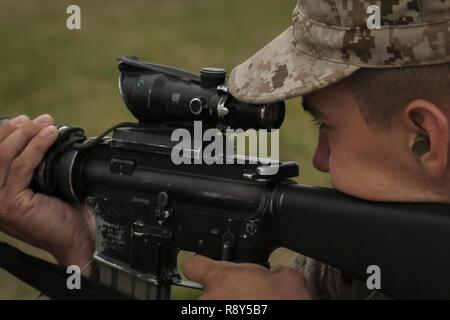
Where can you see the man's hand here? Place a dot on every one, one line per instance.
(231, 281)
(48, 223)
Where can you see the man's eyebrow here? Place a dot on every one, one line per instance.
(311, 109)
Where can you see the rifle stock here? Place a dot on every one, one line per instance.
(407, 241)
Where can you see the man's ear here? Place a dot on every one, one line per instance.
(425, 118)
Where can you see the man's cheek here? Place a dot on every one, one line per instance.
(349, 176)
(342, 169)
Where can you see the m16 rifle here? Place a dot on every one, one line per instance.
(148, 208)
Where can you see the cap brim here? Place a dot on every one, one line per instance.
(280, 71)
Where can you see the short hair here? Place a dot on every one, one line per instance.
(382, 93)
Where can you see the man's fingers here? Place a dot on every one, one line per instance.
(16, 142)
(22, 168)
(9, 127)
(197, 267)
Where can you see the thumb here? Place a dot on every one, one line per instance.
(197, 267)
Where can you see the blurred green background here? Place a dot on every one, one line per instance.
(72, 75)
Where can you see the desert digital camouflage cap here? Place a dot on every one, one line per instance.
(330, 39)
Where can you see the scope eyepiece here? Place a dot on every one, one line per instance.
(160, 94)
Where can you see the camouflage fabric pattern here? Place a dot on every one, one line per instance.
(329, 40)
(327, 283)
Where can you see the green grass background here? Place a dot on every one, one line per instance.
(72, 75)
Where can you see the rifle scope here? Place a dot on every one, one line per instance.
(155, 94)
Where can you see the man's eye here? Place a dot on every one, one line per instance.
(316, 122)
(319, 124)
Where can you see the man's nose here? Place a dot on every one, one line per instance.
(321, 159)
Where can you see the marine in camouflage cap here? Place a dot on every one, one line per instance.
(330, 39)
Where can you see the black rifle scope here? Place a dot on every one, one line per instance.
(156, 93)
